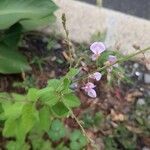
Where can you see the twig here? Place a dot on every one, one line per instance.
(67, 38)
(118, 61)
(81, 127)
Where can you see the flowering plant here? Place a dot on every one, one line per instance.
(32, 120)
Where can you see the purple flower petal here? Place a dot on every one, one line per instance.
(92, 93)
(112, 59)
(97, 76)
(88, 86)
(97, 48)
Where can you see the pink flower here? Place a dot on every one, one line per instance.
(88, 88)
(97, 48)
(96, 76)
(112, 60)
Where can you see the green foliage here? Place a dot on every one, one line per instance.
(29, 82)
(78, 141)
(30, 116)
(125, 137)
(38, 61)
(140, 116)
(60, 110)
(17, 146)
(57, 130)
(39, 143)
(93, 120)
(121, 136)
(34, 12)
(11, 36)
(59, 96)
(71, 100)
(18, 17)
(11, 61)
(110, 143)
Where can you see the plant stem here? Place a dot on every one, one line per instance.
(81, 127)
(118, 61)
(124, 59)
(67, 38)
(99, 3)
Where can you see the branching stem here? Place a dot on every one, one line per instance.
(118, 61)
(83, 131)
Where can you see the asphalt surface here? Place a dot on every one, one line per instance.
(140, 8)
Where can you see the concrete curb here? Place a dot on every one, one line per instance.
(83, 20)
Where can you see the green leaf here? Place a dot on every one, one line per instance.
(12, 11)
(66, 83)
(74, 145)
(48, 96)
(11, 145)
(32, 94)
(12, 111)
(11, 61)
(39, 143)
(57, 130)
(78, 141)
(10, 128)
(72, 73)
(44, 119)
(31, 24)
(15, 145)
(60, 109)
(54, 83)
(28, 119)
(71, 100)
(11, 37)
(16, 97)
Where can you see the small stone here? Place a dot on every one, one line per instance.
(137, 73)
(135, 65)
(141, 89)
(45, 39)
(147, 78)
(57, 46)
(145, 148)
(149, 93)
(141, 101)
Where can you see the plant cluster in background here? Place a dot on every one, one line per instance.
(19, 17)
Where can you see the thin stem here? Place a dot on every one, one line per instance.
(83, 131)
(67, 38)
(78, 62)
(99, 2)
(118, 61)
(124, 59)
